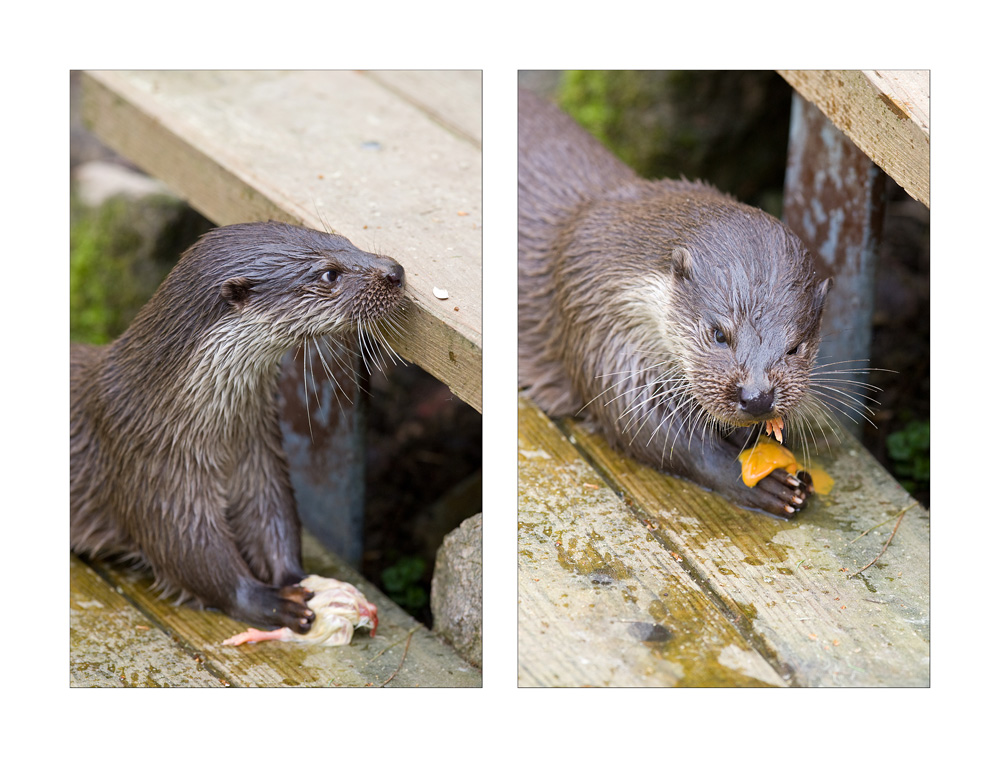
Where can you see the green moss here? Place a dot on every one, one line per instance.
(403, 581)
(119, 253)
(910, 451)
(727, 127)
(100, 301)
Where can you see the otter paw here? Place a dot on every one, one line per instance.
(296, 593)
(292, 610)
(782, 494)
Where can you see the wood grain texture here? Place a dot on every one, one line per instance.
(602, 602)
(113, 644)
(785, 587)
(337, 150)
(885, 113)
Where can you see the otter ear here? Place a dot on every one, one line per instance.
(682, 262)
(821, 292)
(236, 291)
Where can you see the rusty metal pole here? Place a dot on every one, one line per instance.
(323, 429)
(835, 201)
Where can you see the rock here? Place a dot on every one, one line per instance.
(98, 181)
(457, 590)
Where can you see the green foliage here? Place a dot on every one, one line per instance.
(100, 306)
(605, 102)
(119, 254)
(403, 583)
(910, 450)
(729, 128)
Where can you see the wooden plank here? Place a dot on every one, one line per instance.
(602, 601)
(786, 586)
(112, 644)
(329, 149)
(445, 95)
(885, 113)
(196, 636)
(792, 580)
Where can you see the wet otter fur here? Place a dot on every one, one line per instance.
(175, 449)
(678, 318)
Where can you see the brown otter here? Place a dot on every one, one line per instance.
(175, 450)
(678, 317)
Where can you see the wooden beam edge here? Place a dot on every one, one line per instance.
(893, 132)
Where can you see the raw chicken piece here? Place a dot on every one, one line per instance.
(774, 427)
(339, 609)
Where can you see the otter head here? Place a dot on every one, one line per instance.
(300, 283)
(751, 303)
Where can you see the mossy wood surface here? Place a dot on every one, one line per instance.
(391, 160)
(122, 635)
(628, 577)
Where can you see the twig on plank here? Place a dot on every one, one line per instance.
(885, 546)
(405, 650)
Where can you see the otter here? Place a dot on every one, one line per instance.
(175, 450)
(679, 320)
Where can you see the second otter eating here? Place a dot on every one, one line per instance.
(175, 450)
(678, 317)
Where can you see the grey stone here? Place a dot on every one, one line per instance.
(457, 590)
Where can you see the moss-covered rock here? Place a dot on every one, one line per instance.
(120, 251)
(727, 127)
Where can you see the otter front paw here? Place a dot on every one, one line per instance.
(780, 493)
(292, 610)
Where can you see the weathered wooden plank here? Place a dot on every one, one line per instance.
(112, 644)
(332, 149)
(792, 581)
(885, 113)
(601, 600)
(197, 636)
(446, 95)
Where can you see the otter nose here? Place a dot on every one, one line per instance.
(395, 275)
(756, 403)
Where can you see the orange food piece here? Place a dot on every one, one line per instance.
(766, 456)
(763, 458)
(822, 481)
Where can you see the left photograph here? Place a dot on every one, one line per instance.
(276, 379)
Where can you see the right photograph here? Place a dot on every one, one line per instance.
(724, 378)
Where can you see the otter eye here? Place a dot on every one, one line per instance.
(795, 349)
(719, 336)
(330, 276)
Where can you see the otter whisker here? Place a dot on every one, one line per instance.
(393, 328)
(856, 370)
(328, 370)
(849, 407)
(866, 391)
(306, 373)
(854, 399)
(369, 356)
(850, 396)
(309, 371)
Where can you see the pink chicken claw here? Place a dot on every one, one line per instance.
(339, 607)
